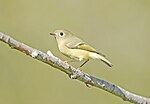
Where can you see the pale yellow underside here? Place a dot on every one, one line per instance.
(77, 54)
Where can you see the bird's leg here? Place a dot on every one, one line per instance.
(84, 63)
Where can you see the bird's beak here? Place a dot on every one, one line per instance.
(54, 34)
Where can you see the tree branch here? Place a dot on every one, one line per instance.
(74, 73)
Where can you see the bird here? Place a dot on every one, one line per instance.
(76, 49)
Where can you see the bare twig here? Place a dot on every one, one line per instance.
(73, 72)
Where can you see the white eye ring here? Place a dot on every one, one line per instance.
(61, 34)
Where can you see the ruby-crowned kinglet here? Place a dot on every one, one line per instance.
(75, 48)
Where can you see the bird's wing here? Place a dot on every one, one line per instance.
(74, 42)
(83, 46)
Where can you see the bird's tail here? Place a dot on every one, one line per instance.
(102, 58)
(106, 62)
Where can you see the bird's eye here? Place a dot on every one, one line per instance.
(61, 33)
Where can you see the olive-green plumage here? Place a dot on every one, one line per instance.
(75, 48)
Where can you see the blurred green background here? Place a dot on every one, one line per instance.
(118, 28)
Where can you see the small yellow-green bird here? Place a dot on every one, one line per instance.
(75, 48)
